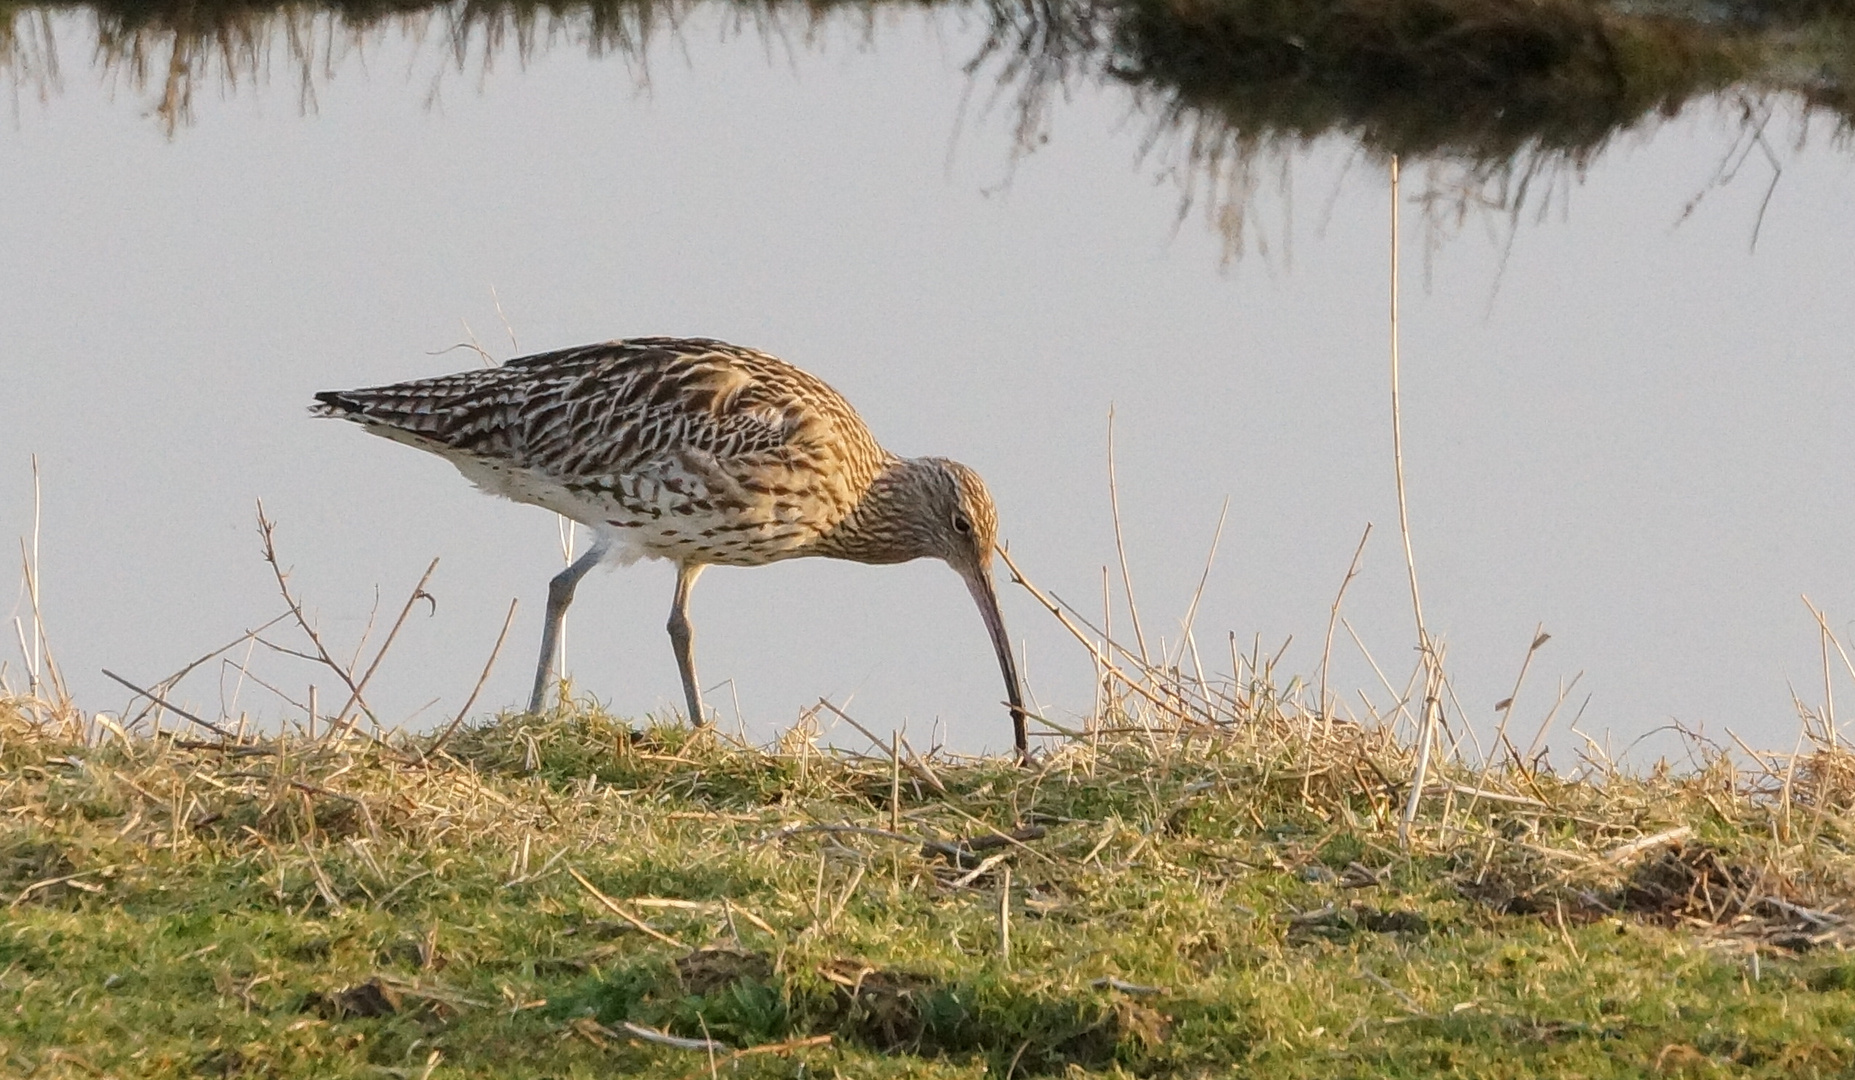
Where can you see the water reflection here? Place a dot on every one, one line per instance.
(1502, 102)
(170, 52)
(1478, 80)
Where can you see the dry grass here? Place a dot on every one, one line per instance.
(1207, 874)
(1208, 877)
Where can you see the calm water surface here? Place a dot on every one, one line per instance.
(1624, 421)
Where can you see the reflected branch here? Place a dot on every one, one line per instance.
(1497, 100)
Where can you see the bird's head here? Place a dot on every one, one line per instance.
(963, 524)
(932, 508)
(962, 521)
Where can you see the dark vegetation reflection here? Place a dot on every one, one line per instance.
(1505, 95)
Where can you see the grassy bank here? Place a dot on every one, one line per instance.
(1218, 898)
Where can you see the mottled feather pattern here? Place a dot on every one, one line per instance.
(699, 452)
(683, 448)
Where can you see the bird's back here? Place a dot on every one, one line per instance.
(685, 448)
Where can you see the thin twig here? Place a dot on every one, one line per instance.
(652, 1035)
(939, 847)
(418, 592)
(1400, 702)
(67, 879)
(266, 530)
(1004, 914)
(611, 905)
(188, 668)
(1506, 706)
(994, 834)
(1191, 610)
(925, 775)
(1120, 546)
(1125, 987)
(1545, 725)
(171, 707)
(1831, 638)
(985, 867)
(1108, 665)
(29, 557)
(488, 666)
(1384, 984)
(918, 761)
(895, 780)
(1623, 853)
(1333, 616)
(783, 1047)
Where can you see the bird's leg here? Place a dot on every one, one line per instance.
(682, 638)
(559, 595)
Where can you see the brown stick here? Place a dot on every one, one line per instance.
(266, 529)
(187, 669)
(417, 592)
(935, 847)
(921, 773)
(1333, 616)
(481, 679)
(171, 707)
(783, 1047)
(661, 1038)
(1426, 732)
(611, 905)
(1107, 664)
(1114, 505)
(1191, 610)
(1625, 852)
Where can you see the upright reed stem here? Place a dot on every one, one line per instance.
(1426, 728)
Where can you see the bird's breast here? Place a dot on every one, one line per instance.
(688, 505)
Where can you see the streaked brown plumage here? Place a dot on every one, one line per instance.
(695, 451)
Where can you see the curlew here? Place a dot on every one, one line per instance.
(699, 452)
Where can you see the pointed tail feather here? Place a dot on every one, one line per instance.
(335, 403)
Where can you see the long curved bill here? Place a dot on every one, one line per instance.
(979, 584)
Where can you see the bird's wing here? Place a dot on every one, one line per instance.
(603, 408)
(667, 421)
(640, 404)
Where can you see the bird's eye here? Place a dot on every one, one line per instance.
(962, 525)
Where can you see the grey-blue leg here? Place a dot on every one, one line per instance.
(683, 637)
(559, 595)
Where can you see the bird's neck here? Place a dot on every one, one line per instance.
(885, 526)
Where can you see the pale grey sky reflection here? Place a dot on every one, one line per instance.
(1639, 439)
